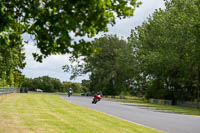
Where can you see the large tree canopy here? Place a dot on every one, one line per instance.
(110, 68)
(53, 23)
(168, 51)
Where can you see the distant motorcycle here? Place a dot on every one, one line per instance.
(96, 99)
(69, 93)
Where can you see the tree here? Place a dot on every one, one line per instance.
(11, 62)
(86, 85)
(110, 67)
(46, 83)
(168, 51)
(53, 23)
(50, 84)
(76, 87)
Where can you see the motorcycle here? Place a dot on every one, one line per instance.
(69, 93)
(96, 99)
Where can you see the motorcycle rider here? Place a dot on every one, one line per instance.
(69, 92)
(98, 93)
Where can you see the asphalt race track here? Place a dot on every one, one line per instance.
(161, 120)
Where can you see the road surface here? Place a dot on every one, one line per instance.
(161, 120)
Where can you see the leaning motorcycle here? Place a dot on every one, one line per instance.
(96, 99)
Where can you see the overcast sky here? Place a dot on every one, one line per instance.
(52, 66)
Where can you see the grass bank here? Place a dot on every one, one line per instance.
(45, 113)
(169, 108)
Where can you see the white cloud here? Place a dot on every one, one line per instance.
(123, 27)
(52, 66)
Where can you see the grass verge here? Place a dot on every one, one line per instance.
(169, 108)
(45, 113)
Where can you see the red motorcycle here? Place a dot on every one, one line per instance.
(96, 99)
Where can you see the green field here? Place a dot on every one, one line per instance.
(138, 101)
(39, 113)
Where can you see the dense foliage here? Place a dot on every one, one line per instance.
(111, 67)
(160, 60)
(49, 84)
(11, 63)
(168, 51)
(54, 23)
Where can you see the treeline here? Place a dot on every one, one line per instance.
(49, 84)
(160, 59)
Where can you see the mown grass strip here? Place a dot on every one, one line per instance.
(169, 108)
(45, 113)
